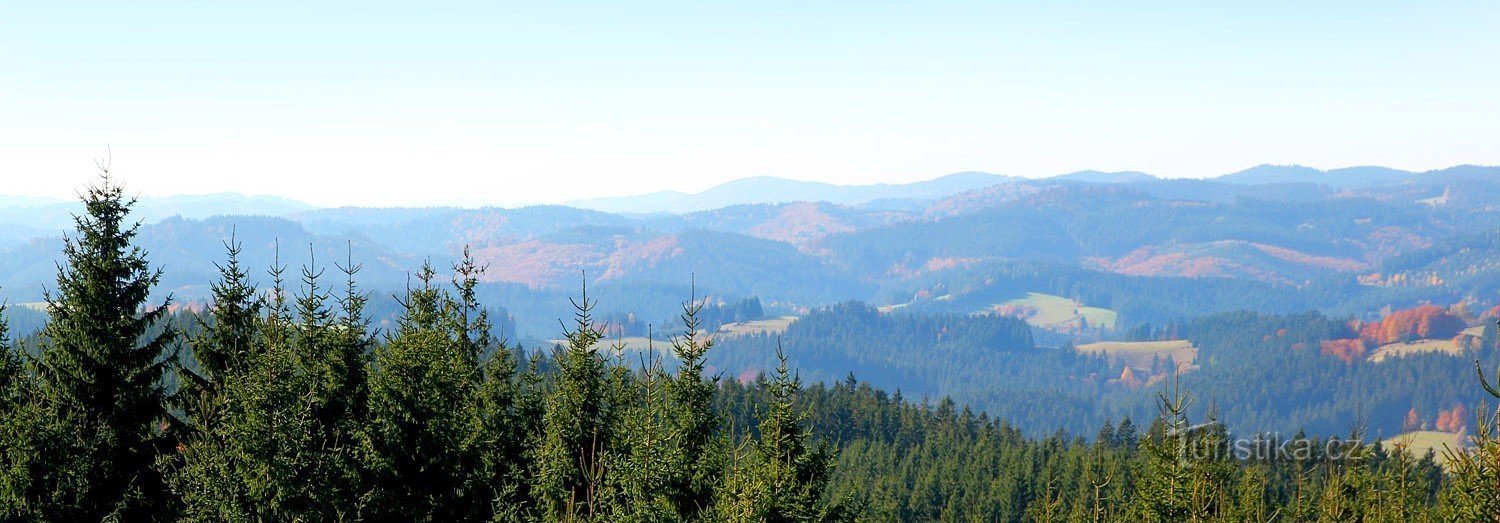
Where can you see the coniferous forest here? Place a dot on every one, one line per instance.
(286, 404)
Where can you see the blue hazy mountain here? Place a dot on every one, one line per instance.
(768, 189)
(801, 244)
(916, 195)
(23, 217)
(1349, 177)
(1106, 177)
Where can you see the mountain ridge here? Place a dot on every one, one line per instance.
(45, 212)
(771, 189)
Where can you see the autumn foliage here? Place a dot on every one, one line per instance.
(1453, 420)
(1427, 321)
(1347, 349)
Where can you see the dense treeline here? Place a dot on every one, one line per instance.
(987, 362)
(1137, 299)
(280, 404)
(1265, 372)
(286, 407)
(1268, 373)
(920, 462)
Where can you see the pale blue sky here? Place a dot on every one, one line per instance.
(485, 102)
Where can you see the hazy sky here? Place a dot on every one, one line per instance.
(484, 102)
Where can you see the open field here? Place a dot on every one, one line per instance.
(1418, 442)
(1397, 350)
(766, 326)
(1140, 353)
(1053, 312)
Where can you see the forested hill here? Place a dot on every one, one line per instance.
(1280, 373)
(1271, 239)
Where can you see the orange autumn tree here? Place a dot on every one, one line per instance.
(1413, 422)
(1454, 419)
(1347, 349)
(1426, 321)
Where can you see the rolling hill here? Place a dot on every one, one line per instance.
(1270, 238)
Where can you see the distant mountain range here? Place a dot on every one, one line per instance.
(1346, 177)
(24, 217)
(766, 189)
(1271, 237)
(1106, 177)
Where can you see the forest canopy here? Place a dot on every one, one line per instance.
(286, 403)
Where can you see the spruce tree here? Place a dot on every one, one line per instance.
(786, 474)
(499, 437)
(222, 352)
(10, 368)
(640, 470)
(332, 349)
(1251, 501)
(1211, 468)
(1347, 494)
(30, 448)
(1164, 488)
(697, 450)
(345, 367)
(277, 445)
(1474, 494)
(223, 345)
(578, 426)
(249, 463)
(506, 408)
(506, 435)
(1404, 491)
(1099, 472)
(422, 395)
(25, 434)
(99, 371)
(472, 320)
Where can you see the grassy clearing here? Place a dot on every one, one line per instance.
(1140, 353)
(1057, 312)
(766, 326)
(1419, 442)
(1397, 350)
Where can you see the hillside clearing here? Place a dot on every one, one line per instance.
(1398, 350)
(1056, 312)
(1140, 354)
(1419, 442)
(767, 326)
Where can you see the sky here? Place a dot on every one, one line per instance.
(470, 103)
